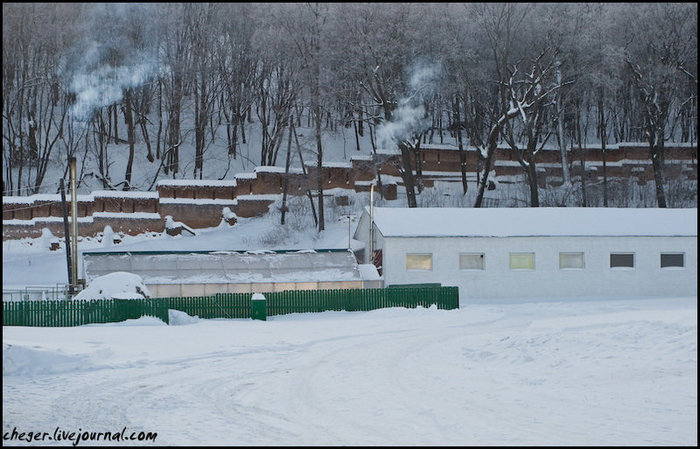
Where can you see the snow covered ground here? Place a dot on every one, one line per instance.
(521, 372)
(588, 372)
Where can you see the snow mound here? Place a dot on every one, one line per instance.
(174, 228)
(179, 318)
(117, 285)
(23, 360)
(141, 321)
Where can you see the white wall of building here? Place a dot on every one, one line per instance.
(497, 280)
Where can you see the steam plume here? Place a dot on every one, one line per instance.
(116, 53)
(409, 116)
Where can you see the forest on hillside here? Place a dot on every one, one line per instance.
(181, 81)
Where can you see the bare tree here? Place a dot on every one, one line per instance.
(306, 30)
(532, 96)
(236, 68)
(176, 47)
(33, 113)
(204, 28)
(500, 25)
(659, 63)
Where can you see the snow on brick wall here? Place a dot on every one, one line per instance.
(187, 199)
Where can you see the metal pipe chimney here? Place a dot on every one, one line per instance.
(74, 222)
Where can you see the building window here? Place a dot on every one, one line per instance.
(621, 260)
(423, 262)
(571, 261)
(671, 260)
(522, 261)
(471, 261)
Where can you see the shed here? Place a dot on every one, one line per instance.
(536, 252)
(199, 273)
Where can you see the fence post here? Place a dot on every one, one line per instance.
(258, 307)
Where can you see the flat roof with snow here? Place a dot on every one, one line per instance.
(543, 221)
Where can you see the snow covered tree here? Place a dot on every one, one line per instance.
(305, 26)
(531, 95)
(660, 64)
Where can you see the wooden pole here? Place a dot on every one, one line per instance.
(66, 235)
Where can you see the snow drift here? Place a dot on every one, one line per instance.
(117, 285)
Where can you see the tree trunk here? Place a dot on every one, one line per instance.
(532, 178)
(603, 147)
(242, 122)
(116, 126)
(160, 118)
(316, 103)
(357, 137)
(303, 170)
(584, 197)
(129, 119)
(462, 153)
(102, 152)
(200, 118)
(657, 163)
(286, 171)
(407, 175)
(319, 161)
(360, 123)
(560, 134)
(419, 166)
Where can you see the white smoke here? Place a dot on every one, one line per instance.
(109, 60)
(409, 117)
(105, 85)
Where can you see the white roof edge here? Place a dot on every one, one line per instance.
(535, 222)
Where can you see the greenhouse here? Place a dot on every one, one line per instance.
(198, 273)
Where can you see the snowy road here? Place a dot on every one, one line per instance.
(552, 373)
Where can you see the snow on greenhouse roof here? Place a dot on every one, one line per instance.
(544, 221)
(227, 266)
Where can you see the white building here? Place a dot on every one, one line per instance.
(536, 252)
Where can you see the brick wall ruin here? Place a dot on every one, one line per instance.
(199, 203)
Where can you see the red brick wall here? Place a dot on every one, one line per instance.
(680, 161)
(251, 207)
(193, 214)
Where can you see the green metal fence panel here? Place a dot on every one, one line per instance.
(224, 305)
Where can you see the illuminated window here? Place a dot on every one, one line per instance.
(570, 260)
(622, 260)
(471, 261)
(419, 262)
(669, 260)
(522, 261)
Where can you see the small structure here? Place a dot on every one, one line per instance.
(536, 252)
(199, 273)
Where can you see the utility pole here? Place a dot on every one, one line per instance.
(66, 235)
(74, 222)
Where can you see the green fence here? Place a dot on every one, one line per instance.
(222, 305)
